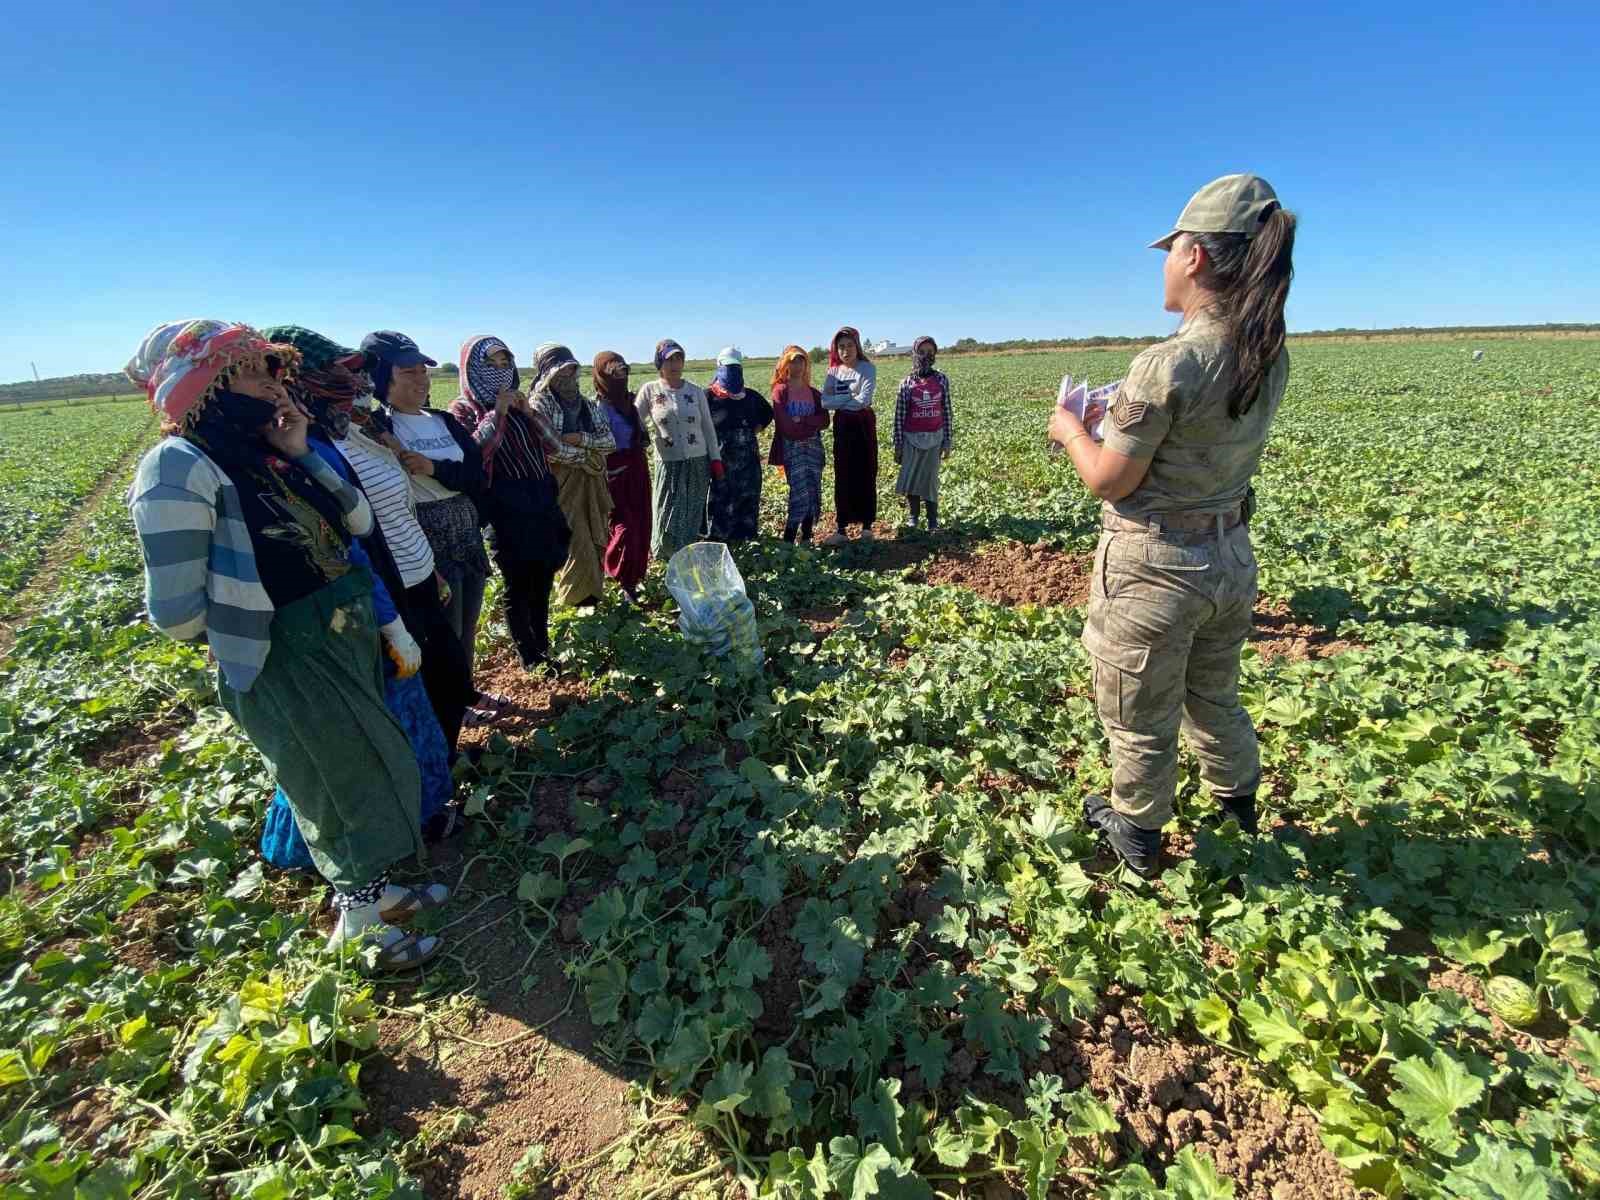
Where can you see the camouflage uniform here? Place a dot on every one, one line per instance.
(1175, 577)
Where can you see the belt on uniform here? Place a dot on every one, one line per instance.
(1184, 522)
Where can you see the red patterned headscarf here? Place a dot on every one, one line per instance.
(180, 364)
(854, 334)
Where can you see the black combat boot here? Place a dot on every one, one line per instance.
(1241, 809)
(1139, 848)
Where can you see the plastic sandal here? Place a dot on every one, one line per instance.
(417, 900)
(408, 952)
(476, 718)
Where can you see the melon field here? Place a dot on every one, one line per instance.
(838, 930)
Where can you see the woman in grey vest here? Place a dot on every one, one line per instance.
(1175, 577)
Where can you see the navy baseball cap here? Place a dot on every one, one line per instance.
(394, 349)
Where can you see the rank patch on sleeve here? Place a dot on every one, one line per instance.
(1128, 411)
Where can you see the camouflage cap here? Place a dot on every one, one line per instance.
(1232, 204)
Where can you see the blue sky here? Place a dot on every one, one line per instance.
(609, 174)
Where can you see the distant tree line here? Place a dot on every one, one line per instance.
(114, 383)
(969, 345)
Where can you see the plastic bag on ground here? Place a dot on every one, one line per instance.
(713, 608)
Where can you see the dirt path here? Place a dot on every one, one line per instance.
(41, 583)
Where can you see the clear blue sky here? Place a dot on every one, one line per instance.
(609, 174)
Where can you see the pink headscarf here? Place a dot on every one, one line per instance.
(179, 363)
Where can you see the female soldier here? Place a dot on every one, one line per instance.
(1175, 577)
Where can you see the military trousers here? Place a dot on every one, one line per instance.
(1169, 612)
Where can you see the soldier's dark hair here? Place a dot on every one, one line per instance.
(1251, 277)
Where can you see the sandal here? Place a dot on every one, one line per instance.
(477, 718)
(408, 951)
(491, 702)
(416, 901)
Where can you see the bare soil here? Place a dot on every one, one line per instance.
(1014, 574)
(535, 700)
(1278, 633)
(1169, 1094)
(130, 745)
(542, 1084)
(523, 1069)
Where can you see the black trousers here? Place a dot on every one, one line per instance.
(528, 584)
(446, 669)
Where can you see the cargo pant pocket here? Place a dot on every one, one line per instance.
(1117, 669)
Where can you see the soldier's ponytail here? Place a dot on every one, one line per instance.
(1251, 277)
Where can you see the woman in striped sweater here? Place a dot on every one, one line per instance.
(245, 533)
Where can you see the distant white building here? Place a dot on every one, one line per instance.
(887, 349)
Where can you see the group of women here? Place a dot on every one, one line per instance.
(319, 527)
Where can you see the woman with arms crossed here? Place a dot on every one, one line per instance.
(847, 392)
(447, 482)
(1175, 575)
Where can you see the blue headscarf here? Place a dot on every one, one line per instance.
(730, 378)
(665, 349)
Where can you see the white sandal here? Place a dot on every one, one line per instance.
(414, 902)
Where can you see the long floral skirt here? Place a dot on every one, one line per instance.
(736, 497)
(680, 505)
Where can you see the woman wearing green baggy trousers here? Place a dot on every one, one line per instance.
(246, 537)
(1175, 576)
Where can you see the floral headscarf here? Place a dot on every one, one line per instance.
(179, 364)
(665, 349)
(923, 351)
(481, 381)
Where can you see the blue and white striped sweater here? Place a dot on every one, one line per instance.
(200, 569)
